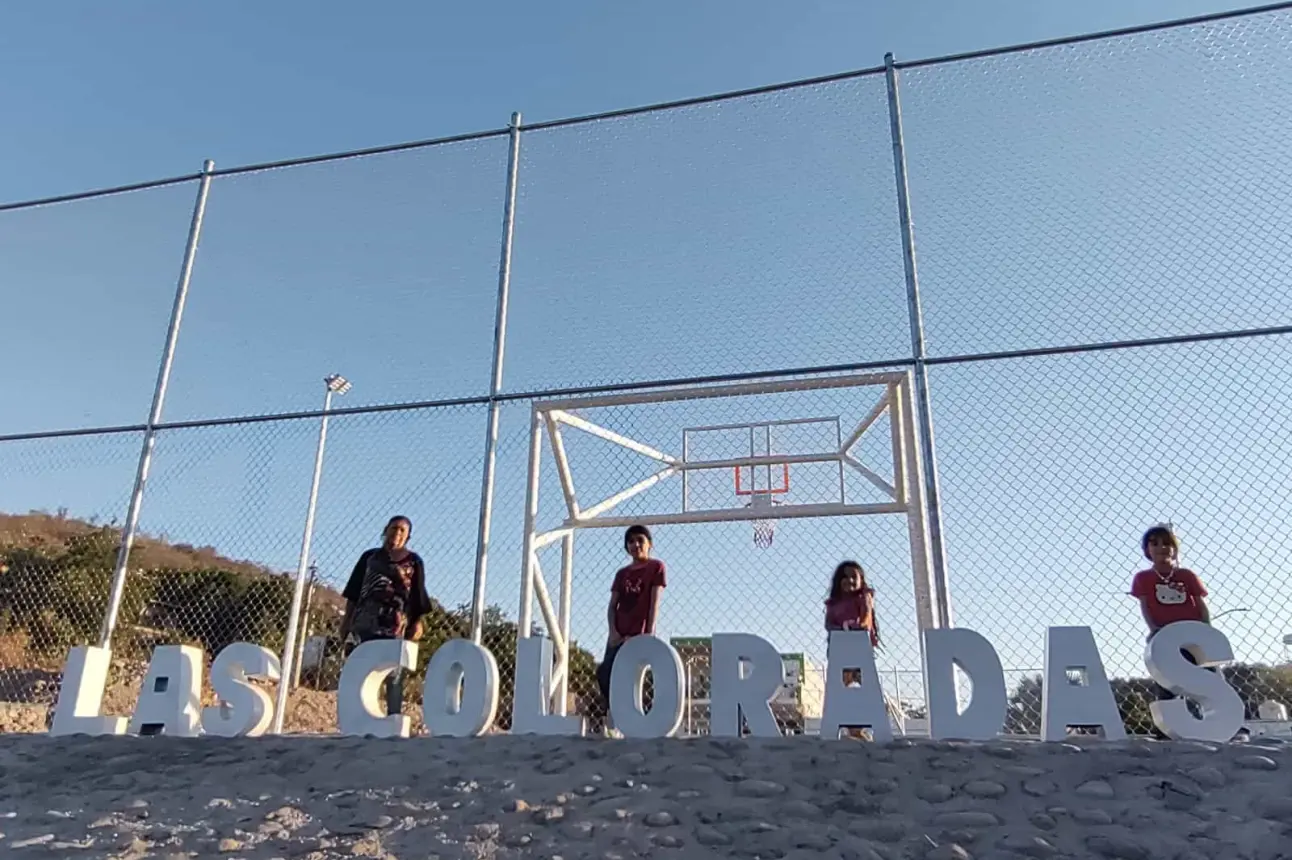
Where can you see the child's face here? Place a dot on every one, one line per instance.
(1161, 550)
(638, 547)
(851, 581)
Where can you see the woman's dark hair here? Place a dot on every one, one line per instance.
(638, 530)
(1159, 531)
(836, 581)
(399, 518)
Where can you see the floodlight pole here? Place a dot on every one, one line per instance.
(333, 385)
(131, 527)
(923, 410)
(495, 384)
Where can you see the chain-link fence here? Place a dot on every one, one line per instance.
(1101, 287)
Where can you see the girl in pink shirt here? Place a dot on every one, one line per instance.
(851, 604)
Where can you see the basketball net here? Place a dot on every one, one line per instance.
(764, 528)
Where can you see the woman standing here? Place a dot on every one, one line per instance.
(386, 597)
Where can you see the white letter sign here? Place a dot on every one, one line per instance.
(1065, 703)
(81, 695)
(860, 707)
(736, 693)
(460, 695)
(244, 709)
(984, 716)
(1222, 709)
(358, 696)
(626, 678)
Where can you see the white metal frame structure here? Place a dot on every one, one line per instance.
(905, 495)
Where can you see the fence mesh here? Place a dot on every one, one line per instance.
(93, 282)
(1109, 190)
(711, 239)
(1052, 469)
(61, 501)
(380, 268)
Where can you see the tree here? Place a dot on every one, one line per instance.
(498, 634)
(1255, 685)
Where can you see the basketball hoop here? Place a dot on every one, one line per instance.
(764, 528)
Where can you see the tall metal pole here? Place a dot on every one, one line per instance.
(567, 587)
(131, 528)
(525, 615)
(302, 571)
(924, 413)
(302, 638)
(495, 384)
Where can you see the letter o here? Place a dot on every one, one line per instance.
(626, 707)
(460, 695)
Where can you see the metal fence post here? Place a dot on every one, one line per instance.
(923, 411)
(303, 638)
(495, 384)
(334, 385)
(131, 526)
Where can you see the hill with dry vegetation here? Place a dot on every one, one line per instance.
(55, 574)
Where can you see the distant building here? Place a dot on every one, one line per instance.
(796, 705)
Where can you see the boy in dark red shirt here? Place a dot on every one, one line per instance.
(1168, 593)
(633, 609)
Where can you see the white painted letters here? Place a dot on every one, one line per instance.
(984, 716)
(461, 688)
(737, 692)
(244, 709)
(460, 696)
(358, 696)
(853, 707)
(81, 695)
(626, 678)
(1222, 709)
(1086, 702)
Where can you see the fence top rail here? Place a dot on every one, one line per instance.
(101, 192)
(703, 392)
(660, 106)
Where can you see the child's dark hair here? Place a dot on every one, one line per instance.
(1158, 531)
(400, 518)
(836, 581)
(638, 530)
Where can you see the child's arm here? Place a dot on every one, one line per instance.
(1199, 592)
(613, 638)
(654, 610)
(874, 622)
(1141, 590)
(1148, 619)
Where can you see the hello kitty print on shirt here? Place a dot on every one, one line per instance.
(1169, 597)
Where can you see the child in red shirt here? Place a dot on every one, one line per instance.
(633, 609)
(851, 604)
(1168, 593)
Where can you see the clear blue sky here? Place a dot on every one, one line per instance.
(1100, 191)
